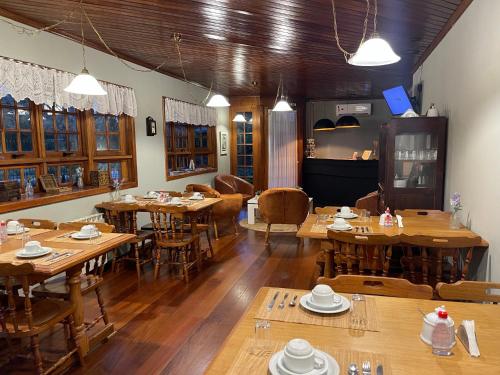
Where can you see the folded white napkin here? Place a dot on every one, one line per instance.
(467, 334)
(400, 221)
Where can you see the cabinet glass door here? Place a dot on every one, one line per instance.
(415, 159)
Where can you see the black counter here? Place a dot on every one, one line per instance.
(333, 182)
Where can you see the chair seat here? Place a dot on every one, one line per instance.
(143, 235)
(59, 287)
(171, 243)
(46, 313)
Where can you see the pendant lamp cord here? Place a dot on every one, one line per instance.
(346, 53)
(375, 13)
(83, 39)
(280, 85)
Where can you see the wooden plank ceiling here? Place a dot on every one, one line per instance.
(234, 42)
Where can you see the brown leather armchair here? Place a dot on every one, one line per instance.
(369, 202)
(283, 206)
(229, 206)
(229, 184)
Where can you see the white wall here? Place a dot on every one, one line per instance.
(341, 143)
(57, 52)
(462, 77)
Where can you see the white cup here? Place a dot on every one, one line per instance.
(323, 295)
(175, 200)
(197, 194)
(88, 229)
(345, 210)
(339, 222)
(32, 247)
(129, 198)
(13, 226)
(298, 356)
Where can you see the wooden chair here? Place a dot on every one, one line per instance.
(90, 281)
(123, 216)
(367, 251)
(434, 249)
(32, 318)
(38, 223)
(477, 291)
(376, 285)
(180, 246)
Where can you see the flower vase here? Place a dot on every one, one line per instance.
(116, 195)
(455, 220)
(79, 182)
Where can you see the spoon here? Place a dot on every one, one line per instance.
(292, 302)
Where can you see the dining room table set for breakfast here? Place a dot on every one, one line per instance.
(190, 201)
(321, 332)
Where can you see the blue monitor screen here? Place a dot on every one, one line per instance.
(397, 99)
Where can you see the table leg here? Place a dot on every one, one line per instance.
(194, 231)
(77, 299)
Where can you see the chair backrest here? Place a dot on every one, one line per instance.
(368, 239)
(440, 242)
(478, 291)
(76, 225)
(12, 275)
(417, 212)
(123, 216)
(171, 193)
(369, 202)
(377, 285)
(207, 191)
(284, 206)
(38, 223)
(229, 206)
(168, 223)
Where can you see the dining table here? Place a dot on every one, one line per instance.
(72, 255)
(395, 343)
(315, 227)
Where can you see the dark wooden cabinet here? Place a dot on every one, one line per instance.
(412, 162)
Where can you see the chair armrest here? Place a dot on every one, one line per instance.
(223, 187)
(244, 187)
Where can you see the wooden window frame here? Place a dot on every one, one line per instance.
(107, 133)
(169, 139)
(56, 132)
(19, 153)
(88, 157)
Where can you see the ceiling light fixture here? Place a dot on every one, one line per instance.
(374, 51)
(218, 100)
(84, 83)
(239, 118)
(281, 105)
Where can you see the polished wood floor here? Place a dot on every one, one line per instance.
(169, 327)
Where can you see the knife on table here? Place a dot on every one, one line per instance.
(271, 304)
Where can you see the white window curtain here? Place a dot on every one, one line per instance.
(282, 149)
(46, 86)
(179, 111)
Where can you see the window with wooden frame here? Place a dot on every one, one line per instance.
(48, 139)
(186, 142)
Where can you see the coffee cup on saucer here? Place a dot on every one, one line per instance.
(129, 198)
(88, 230)
(13, 226)
(32, 247)
(175, 200)
(339, 222)
(323, 295)
(298, 356)
(197, 194)
(345, 211)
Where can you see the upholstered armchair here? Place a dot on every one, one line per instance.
(369, 202)
(229, 184)
(283, 206)
(229, 206)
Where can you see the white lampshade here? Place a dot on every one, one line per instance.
(374, 52)
(85, 84)
(239, 118)
(282, 106)
(218, 101)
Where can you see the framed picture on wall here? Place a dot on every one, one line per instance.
(223, 143)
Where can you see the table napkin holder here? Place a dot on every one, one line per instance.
(466, 333)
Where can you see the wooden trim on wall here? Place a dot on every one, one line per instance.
(461, 8)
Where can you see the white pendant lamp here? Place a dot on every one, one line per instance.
(281, 105)
(374, 52)
(239, 118)
(218, 100)
(84, 83)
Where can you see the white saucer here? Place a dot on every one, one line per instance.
(196, 198)
(352, 215)
(43, 251)
(335, 309)
(82, 236)
(134, 201)
(12, 232)
(333, 366)
(344, 228)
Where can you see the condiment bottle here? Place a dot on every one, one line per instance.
(443, 335)
(3, 232)
(388, 218)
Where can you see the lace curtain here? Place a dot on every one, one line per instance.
(177, 111)
(46, 86)
(282, 149)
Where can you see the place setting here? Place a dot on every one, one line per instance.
(320, 306)
(346, 213)
(87, 232)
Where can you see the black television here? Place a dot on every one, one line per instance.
(398, 100)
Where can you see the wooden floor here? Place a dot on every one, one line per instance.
(169, 327)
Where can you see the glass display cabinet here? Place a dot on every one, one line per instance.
(412, 162)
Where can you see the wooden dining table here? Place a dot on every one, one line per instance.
(77, 252)
(397, 339)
